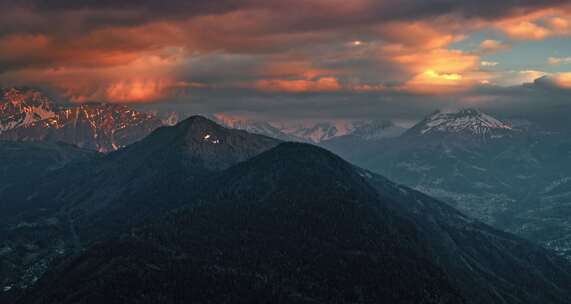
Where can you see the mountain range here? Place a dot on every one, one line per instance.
(200, 212)
(28, 114)
(308, 131)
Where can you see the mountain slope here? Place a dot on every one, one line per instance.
(487, 265)
(25, 166)
(31, 232)
(295, 224)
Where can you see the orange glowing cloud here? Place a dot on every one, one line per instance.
(491, 46)
(562, 80)
(443, 61)
(108, 47)
(323, 84)
(438, 70)
(537, 25)
(40, 50)
(432, 82)
(14, 46)
(123, 91)
(292, 67)
(144, 79)
(135, 90)
(421, 46)
(420, 35)
(526, 30)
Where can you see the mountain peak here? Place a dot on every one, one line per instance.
(198, 119)
(200, 128)
(296, 165)
(467, 121)
(204, 142)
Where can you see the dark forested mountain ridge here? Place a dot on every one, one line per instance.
(299, 224)
(295, 224)
(169, 166)
(105, 194)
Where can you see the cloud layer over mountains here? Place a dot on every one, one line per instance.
(297, 58)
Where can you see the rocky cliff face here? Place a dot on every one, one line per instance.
(29, 115)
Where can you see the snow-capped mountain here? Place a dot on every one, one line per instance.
(463, 122)
(313, 132)
(29, 115)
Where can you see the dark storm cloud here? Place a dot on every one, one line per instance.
(296, 15)
(296, 57)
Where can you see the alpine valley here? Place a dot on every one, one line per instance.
(27, 114)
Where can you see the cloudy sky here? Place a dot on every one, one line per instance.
(294, 58)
